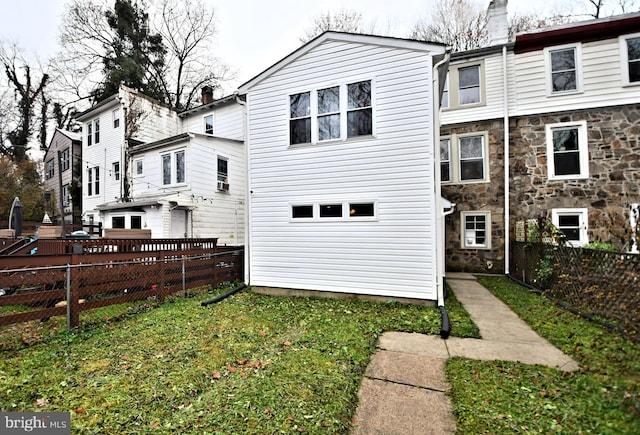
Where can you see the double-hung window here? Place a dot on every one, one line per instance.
(329, 113)
(573, 223)
(333, 113)
(469, 85)
(476, 230)
(66, 196)
(173, 168)
(223, 174)
(463, 86)
(466, 161)
(208, 124)
(115, 169)
(50, 169)
(89, 133)
(445, 160)
(93, 132)
(359, 113)
(138, 168)
(93, 181)
(630, 57)
(300, 118)
(116, 118)
(65, 160)
(564, 69)
(567, 151)
(471, 152)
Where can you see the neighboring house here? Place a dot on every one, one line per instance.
(178, 175)
(190, 185)
(575, 127)
(63, 153)
(570, 98)
(342, 185)
(108, 130)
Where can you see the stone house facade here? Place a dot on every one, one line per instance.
(569, 97)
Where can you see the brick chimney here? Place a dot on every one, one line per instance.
(497, 22)
(207, 94)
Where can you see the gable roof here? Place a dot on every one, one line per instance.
(385, 41)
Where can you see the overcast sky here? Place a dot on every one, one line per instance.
(252, 34)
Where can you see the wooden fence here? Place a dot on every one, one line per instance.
(67, 284)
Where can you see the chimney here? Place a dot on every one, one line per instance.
(497, 22)
(207, 94)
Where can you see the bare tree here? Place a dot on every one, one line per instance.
(188, 29)
(341, 20)
(27, 83)
(84, 33)
(461, 24)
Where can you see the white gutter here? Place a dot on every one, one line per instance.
(247, 202)
(507, 205)
(438, 185)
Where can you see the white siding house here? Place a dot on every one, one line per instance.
(107, 129)
(192, 185)
(342, 192)
(178, 175)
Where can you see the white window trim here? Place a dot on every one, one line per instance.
(452, 84)
(115, 114)
(547, 61)
(450, 161)
(204, 123)
(135, 167)
(346, 215)
(218, 174)
(463, 217)
(583, 214)
(174, 167)
(95, 181)
(454, 159)
(313, 101)
(583, 148)
(624, 59)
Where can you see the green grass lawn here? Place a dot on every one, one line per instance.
(504, 397)
(250, 364)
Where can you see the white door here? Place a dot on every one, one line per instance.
(179, 224)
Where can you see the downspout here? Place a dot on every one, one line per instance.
(507, 204)
(247, 202)
(445, 329)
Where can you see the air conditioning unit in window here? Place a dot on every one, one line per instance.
(223, 186)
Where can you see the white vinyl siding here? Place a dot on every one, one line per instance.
(211, 213)
(491, 105)
(630, 59)
(563, 69)
(333, 253)
(602, 82)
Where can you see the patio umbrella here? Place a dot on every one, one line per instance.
(15, 217)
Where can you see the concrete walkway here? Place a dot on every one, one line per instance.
(404, 389)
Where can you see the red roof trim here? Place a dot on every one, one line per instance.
(588, 32)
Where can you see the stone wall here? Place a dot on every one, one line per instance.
(614, 170)
(485, 196)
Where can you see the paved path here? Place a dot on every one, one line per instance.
(404, 389)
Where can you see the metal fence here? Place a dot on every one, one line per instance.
(597, 283)
(34, 300)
